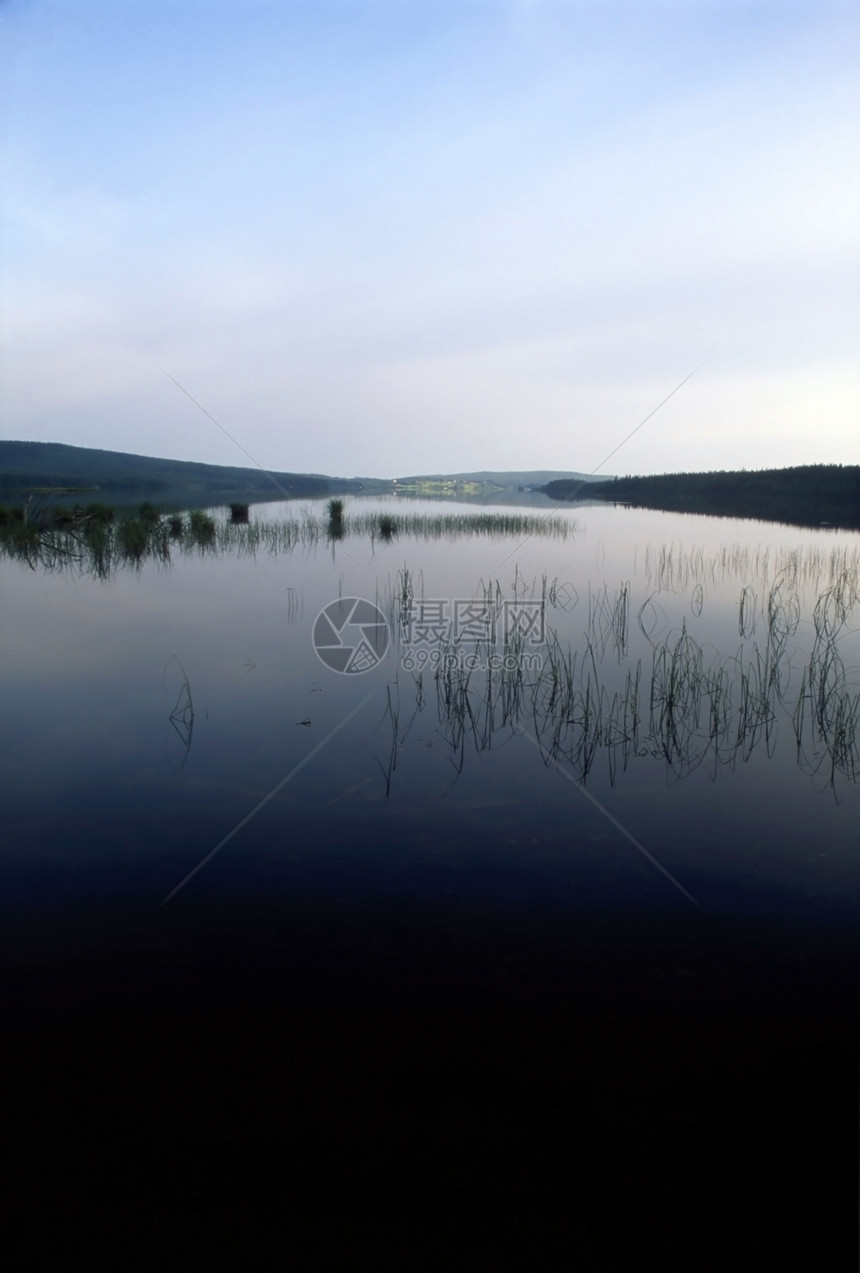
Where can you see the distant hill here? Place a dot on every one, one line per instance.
(488, 486)
(807, 495)
(534, 478)
(119, 477)
(54, 467)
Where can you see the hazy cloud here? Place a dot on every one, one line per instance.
(385, 238)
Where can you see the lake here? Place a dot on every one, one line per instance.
(601, 768)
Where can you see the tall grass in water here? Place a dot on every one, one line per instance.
(827, 714)
(676, 568)
(609, 621)
(392, 714)
(335, 519)
(434, 526)
(141, 539)
(89, 542)
(149, 536)
(201, 529)
(691, 705)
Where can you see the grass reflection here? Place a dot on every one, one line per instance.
(680, 702)
(94, 545)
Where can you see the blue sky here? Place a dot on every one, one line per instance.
(384, 237)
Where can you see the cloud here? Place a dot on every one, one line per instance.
(377, 252)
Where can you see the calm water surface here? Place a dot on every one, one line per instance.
(660, 778)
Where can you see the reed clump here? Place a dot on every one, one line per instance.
(436, 526)
(336, 528)
(133, 539)
(201, 528)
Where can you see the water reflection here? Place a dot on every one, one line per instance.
(676, 696)
(97, 546)
(181, 718)
(684, 702)
(632, 660)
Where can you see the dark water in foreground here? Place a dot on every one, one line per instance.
(555, 953)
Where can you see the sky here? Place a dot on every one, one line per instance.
(387, 237)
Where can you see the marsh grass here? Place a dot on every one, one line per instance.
(336, 529)
(676, 568)
(52, 542)
(392, 715)
(434, 526)
(134, 540)
(90, 542)
(689, 706)
(202, 529)
(609, 620)
(826, 716)
(398, 732)
(683, 704)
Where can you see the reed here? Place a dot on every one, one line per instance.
(432, 526)
(336, 528)
(40, 538)
(133, 539)
(690, 706)
(201, 529)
